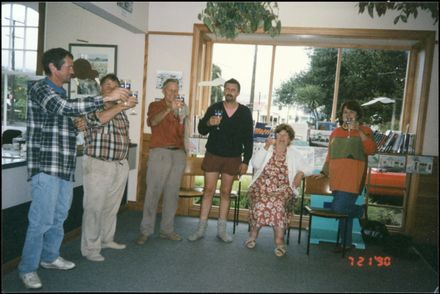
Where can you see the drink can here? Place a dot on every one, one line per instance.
(126, 84)
(136, 94)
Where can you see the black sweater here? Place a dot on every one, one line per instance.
(235, 136)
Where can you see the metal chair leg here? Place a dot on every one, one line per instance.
(310, 232)
(234, 223)
(337, 236)
(344, 238)
(300, 219)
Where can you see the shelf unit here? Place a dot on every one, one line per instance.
(404, 191)
(384, 180)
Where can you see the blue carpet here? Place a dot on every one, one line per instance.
(210, 265)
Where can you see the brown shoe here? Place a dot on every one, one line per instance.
(171, 236)
(141, 239)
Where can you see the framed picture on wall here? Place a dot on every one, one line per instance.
(163, 75)
(91, 62)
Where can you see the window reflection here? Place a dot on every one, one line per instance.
(19, 59)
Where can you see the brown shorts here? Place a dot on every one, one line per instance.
(220, 164)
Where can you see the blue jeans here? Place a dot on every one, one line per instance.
(51, 200)
(345, 202)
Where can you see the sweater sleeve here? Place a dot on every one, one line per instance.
(369, 144)
(203, 127)
(260, 155)
(248, 142)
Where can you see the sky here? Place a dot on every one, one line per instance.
(236, 61)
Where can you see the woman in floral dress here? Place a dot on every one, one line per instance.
(279, 168)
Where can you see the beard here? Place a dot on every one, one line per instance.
(229, 98)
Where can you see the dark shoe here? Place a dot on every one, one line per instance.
(141, 239)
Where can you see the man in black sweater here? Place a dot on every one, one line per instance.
(228, 151)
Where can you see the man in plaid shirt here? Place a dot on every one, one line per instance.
(105, 171)
(51, 159)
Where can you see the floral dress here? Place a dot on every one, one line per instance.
(271, 198)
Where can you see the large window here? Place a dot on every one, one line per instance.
(303, 84)
(303, 88)
(20, 31)
(303, 76)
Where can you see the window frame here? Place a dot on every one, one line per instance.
(39, 52)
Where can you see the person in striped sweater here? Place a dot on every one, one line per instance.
(346, 163)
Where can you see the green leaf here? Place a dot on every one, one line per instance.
(406, 9)
(227, 19)
(371, 10)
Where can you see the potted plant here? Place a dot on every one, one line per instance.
(405, 9)
(228, 19)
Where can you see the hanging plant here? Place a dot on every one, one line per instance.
(406, 9)
(228, 19)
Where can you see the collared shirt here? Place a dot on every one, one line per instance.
(51, 135)
(109, 141)
(167, 133)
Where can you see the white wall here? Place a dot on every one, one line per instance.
(174, 16)
(345, 15)
(66, 23)
(169, 53)
(134, 21)
(430, 141)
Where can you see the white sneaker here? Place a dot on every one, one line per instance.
(113, 245)
(59, 263)
(31, 280)
(95, 257)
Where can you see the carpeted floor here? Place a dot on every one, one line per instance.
(210, 265)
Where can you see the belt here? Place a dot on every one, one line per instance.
(120, 161)
(172, 148)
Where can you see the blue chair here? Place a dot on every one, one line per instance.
(325, 229)
(319, 186)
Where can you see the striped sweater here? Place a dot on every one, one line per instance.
(347, 158)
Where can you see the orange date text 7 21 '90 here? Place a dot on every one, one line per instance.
(378, 261)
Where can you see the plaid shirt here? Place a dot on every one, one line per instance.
(51, 135)
(109, 141)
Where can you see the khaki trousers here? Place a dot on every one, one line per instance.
(104, 184)
(164, 174)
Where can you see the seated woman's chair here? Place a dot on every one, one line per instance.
(319, 186)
